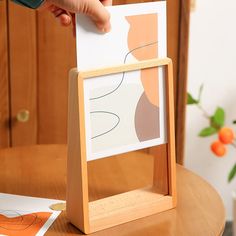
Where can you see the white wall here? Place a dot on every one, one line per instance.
(212, 61)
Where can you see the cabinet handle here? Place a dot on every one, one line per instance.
(23, 116)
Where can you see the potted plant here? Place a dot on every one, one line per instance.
(225, 137)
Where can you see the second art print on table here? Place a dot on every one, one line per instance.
(124, 111)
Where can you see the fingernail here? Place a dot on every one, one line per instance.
(107, 28)
(104, 30)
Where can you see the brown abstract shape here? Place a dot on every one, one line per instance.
(23, 225)
(147, 119)
(143, 31)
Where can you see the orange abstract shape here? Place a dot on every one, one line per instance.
(142, 36)
(23, 225)
(149, 78)
(143, 44)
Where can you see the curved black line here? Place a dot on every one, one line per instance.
(34, 221)
(17, 213)
(115, 89)
(106, 112)
(21, 217)
(123, 74)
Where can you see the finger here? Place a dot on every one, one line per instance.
(52, 8)
(58, 12)
(65, 19)
(93, 8)
(62, 15)
(99, 15)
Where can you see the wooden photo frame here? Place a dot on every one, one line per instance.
(97, 215)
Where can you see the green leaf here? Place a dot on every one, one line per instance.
(234, 122)
(200, 93)
(218, 119)
(191, 100)
(213, 123)
(232, 173)
(208, 131)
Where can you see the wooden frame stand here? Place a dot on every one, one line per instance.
(104, 213)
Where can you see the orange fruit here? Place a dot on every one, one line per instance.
(218, 148)
(226, 135)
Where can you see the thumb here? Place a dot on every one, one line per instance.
(99, 15)
(93, 8)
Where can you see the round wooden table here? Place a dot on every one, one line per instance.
(40, 171)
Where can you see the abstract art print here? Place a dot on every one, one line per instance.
(124, 111)
(22, 215)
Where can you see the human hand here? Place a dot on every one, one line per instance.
(64, 11)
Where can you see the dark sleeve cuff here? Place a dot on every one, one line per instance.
(33, 4)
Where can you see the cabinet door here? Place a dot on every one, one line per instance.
(23, 73)
(4, 86)
(56, 56)
(41, 54)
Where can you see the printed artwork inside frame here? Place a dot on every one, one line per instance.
(125, 111)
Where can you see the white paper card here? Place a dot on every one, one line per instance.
(22, 215)
(123, 112)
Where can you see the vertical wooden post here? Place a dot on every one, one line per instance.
(170, 132)
(4, 78)
(160, 168)
(77, 177)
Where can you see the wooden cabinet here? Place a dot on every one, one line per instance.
(36, 55)
(41, 53)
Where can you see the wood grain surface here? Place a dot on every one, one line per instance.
(40, 171)
(4, 86)
(181, 87)
(56, 56)
(23, 72)
(77, 198)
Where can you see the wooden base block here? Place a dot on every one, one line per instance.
(125, 207)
